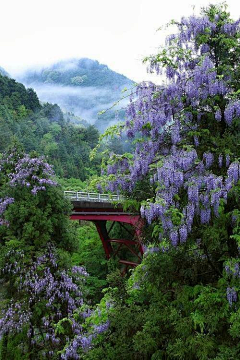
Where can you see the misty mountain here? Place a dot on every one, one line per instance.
(43, 128)
(83, 87)
(3, 72)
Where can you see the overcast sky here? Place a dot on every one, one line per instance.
(119, 33)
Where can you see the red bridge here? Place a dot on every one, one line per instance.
(103, 208)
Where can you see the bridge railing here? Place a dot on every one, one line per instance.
(91, 196)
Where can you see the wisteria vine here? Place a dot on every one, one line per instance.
(168, 122)
(31, 172)
(42, 284)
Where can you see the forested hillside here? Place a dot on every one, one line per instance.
(83, 87)
(43, 128)
(3, 72)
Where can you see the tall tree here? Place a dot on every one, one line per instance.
(41, 289)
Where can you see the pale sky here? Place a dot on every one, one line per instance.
(116, 33)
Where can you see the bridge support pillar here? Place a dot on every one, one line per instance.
(103, 234)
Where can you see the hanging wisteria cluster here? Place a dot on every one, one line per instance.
(3, 206)
(231, 295)
(19, 169)
(31, 172)
(232, 269)
(83, 342)
(42, 284)
(167, 121)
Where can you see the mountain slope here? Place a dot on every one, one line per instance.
(3, 72)
(80, 86)
(43, 128)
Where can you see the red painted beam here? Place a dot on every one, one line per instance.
(129, 219)
(102, 231)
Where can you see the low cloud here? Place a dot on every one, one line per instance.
(85, 102)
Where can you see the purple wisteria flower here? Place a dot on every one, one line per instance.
(33, 173)
(43, 282)
(220, 160)
(3, 206)
(227, 160)
(209, 158)
(218, 115)
(233, 269)
(231, 295)
(83, 342)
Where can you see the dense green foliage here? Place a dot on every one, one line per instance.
(171, 310)
(16, 97)
(90, 254)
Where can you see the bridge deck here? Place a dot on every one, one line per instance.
(96, 206)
